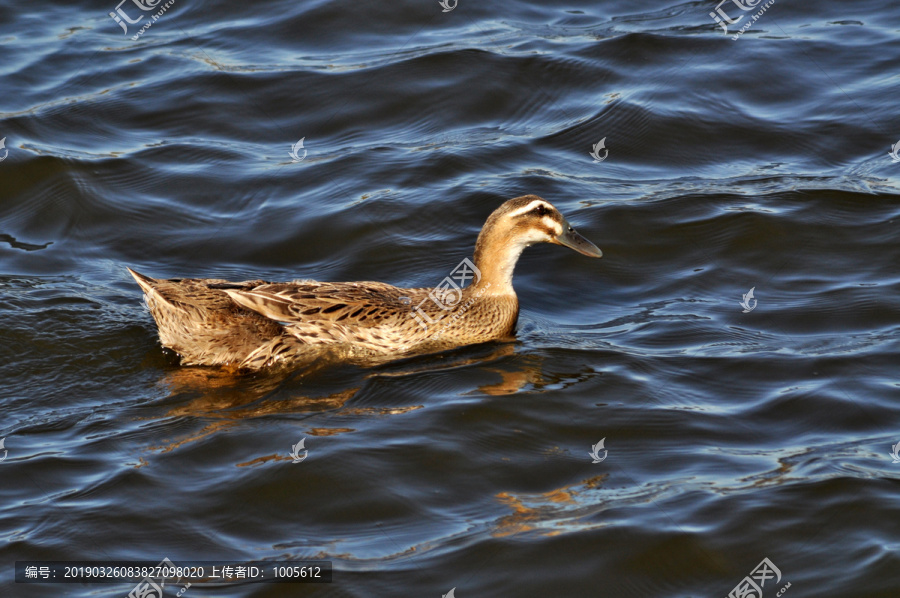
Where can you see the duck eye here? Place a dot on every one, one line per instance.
(541, 211)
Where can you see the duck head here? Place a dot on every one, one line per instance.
(515, 225)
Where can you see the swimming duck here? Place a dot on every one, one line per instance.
(257, 324)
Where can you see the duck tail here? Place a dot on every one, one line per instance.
(146, 283)
(153, 296)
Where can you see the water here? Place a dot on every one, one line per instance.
(732, 437)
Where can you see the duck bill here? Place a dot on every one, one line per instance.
(571, 239)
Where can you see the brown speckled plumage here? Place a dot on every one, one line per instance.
(257, 324)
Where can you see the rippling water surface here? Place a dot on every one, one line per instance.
(729, 164)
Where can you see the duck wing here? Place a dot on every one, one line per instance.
(364, 315)
(356, 304)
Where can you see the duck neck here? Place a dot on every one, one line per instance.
(496, 257)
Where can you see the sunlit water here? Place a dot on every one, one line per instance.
(730, 436)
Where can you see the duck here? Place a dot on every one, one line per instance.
(255, 324)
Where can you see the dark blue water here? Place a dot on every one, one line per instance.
(728, 164)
